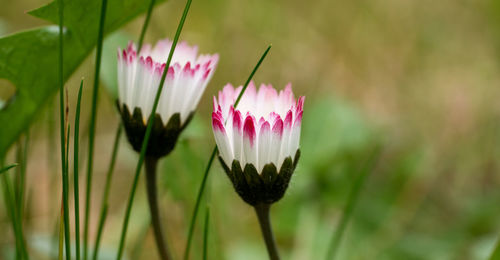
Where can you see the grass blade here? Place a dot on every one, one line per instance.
(102, 219)
(205, 234)
(61, 234)
(496, 252)
(149, 129)
(20, 177)
(145, 25)
(93, 118)
(197, 204)
(103, 212)
(107, 187)
(351, 202)
(67, 236)
(10, 205)
(210, 161)
(76, 176)
(5, 169)
(62, 128)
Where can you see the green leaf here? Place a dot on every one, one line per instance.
(28, 59)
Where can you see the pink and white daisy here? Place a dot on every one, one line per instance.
(263, 131)
(265, 128)
(139, 76)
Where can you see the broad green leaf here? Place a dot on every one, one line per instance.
(29, 59)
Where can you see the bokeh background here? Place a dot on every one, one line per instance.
(419, 79)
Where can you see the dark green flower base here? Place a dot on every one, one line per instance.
(267, 187)
(163, 137)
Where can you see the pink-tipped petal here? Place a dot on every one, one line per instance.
(237, 121)
(278, 127)
(249, 146)
(298, 119)
(300, 103)
(249, 129)
(288, 119)
(217, 124)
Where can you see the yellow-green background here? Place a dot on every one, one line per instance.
(419, 78)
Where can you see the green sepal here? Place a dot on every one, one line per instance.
(254, 180)
(269, 174)
(267, 187)
(163, 136)
(296, 158)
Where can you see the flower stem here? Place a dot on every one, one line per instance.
(151, 164)
(262, 211)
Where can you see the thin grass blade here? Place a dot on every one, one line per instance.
(10, 206)
(99, 235)
(107, 187)
(351, 202)
(145, 25)
(210, 161)
(76, 176)
(496, 252)
(67, 235)
(5, 169)
(205, 234)
(93, 118)
(149, 129)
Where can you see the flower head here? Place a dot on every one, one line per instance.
(139, 76)
(258, 140)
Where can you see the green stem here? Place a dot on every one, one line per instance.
(262, 211)
(148, 131)
(107, 187)
(76, 176)
(151, 165)
(210, 161)
(93, 118)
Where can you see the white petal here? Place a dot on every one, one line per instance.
(264, 145)
(222, 142)
(275, 147)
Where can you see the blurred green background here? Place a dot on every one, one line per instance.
(417, 78)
